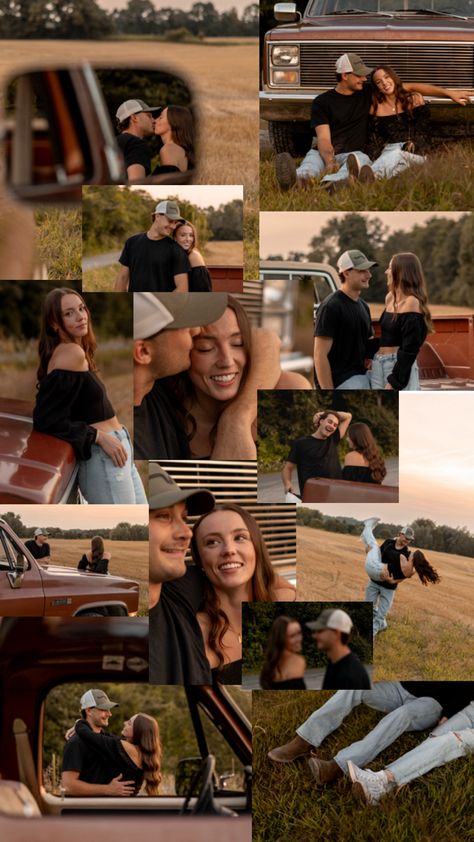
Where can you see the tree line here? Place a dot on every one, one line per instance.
(284, 416)
(112, 214)
(121, 532)
(257, 619)
(428, 534)
(444, 246)
(86, 19)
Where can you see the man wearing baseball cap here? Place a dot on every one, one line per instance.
(163, 328)
(331, 632)
(343, 329)
(39, 547)
(152, 261)
(340, 118)
(135, 123)
(177, 654)
(382, 593)
(85, 772)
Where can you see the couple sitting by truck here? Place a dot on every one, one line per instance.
(346, 354)
(365, 130)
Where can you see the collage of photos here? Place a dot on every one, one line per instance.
(236, 403)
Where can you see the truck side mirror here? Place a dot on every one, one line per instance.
(286, 12)
(59, 128)
(15, 577)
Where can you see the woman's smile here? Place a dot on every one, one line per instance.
(218, 358)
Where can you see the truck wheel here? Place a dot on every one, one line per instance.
(91, 614)
(289, 137)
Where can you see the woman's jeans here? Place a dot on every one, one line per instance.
(373, 561)
(383, 365)
(452, 739)
(100, 481)
(393, 159)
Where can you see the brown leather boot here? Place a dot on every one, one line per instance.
(324, 771)
(290, 751)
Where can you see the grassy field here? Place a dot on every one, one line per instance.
(428, 637)
(287, 804)
(444, 183)
(129, 559)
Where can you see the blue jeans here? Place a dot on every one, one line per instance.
(357, 381)
(405, 712)
(313, 165)
(393, 159)
(452, 739)
(382, 599)
(100, 481)
(383, 365)
(373, 561)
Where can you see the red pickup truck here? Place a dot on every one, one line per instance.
(29, 588)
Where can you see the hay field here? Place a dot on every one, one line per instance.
(224, 253)
(129, 559)
(223, 78)
(428, 633)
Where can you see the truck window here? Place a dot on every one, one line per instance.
(322, 287)
(8, 552)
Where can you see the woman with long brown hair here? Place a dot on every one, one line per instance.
(405, 324)
(220, 362)
(283, 667)
(72, 402)
(95, 560)
(136, 756)
(364, 461)
(229, 548)
(199, 279)
(175, 126)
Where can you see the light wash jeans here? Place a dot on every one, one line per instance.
(100, 481)
(357, 381)
(382, 599)
(383, 365)
(373, 561)
(393, 160)
(452, 739)
(405, 712)
(313, 165)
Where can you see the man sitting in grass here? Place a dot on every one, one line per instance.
(340, 120)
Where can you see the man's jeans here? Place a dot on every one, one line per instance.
(382, 599)
(313, 165)
(452, 739)
(405, 712)
(392, 161)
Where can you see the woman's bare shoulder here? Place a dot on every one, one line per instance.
(354, 458)
(196, 258)
(293, 380)
(410, 305)
(69, 356)
(284, 591)
(171, 154)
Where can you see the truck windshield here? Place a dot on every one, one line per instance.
(465, 8)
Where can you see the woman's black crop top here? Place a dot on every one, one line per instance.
(199, 279)
(407, 331)
(67, 403)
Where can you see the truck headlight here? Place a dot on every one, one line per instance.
(285, 56)
(284, 77)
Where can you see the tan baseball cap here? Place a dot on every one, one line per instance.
(354, 259)
(352, 63)
(97, 699)
(332, 618)
(164, 492)
(134, 106)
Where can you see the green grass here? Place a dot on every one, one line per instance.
(423, 649)
(288, 806)
(416, 189)
(251, 235)
(100, 280)
(59, 243)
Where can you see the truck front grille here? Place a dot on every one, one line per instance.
(447, 65)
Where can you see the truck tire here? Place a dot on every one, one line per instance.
(102, 613)
(294, 138)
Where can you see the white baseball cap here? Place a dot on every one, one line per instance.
(332, 618)
(354, 259)
(134, 106)
(352, 63)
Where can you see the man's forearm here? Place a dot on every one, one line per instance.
(286, 477)
(323, 371)
(326, 150)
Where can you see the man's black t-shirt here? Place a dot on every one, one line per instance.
(177, 654)
(347, 116)
(346, 674)
(153, 264)
(37, 551)
(135, 150)
(316, 458)
(91, 767)
(348, 324)
(391, 556)
(158, 432)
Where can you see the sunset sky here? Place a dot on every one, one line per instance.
(436, 463)
(70, 517)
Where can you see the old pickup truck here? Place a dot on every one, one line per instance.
(424, 40)
(29, 588)
(39, 658)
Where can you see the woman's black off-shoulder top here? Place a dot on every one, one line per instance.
(67, 403)
(407, 331)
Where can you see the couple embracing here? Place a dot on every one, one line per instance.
(346, 354)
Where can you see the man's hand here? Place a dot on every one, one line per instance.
(119, 787)
(331, 167)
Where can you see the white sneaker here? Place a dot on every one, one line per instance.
(370, 523)
(369, 787)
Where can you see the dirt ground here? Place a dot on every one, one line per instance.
(331, 566)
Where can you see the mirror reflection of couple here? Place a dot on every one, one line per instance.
(96, 763)
(136, 122)
(346, 354)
